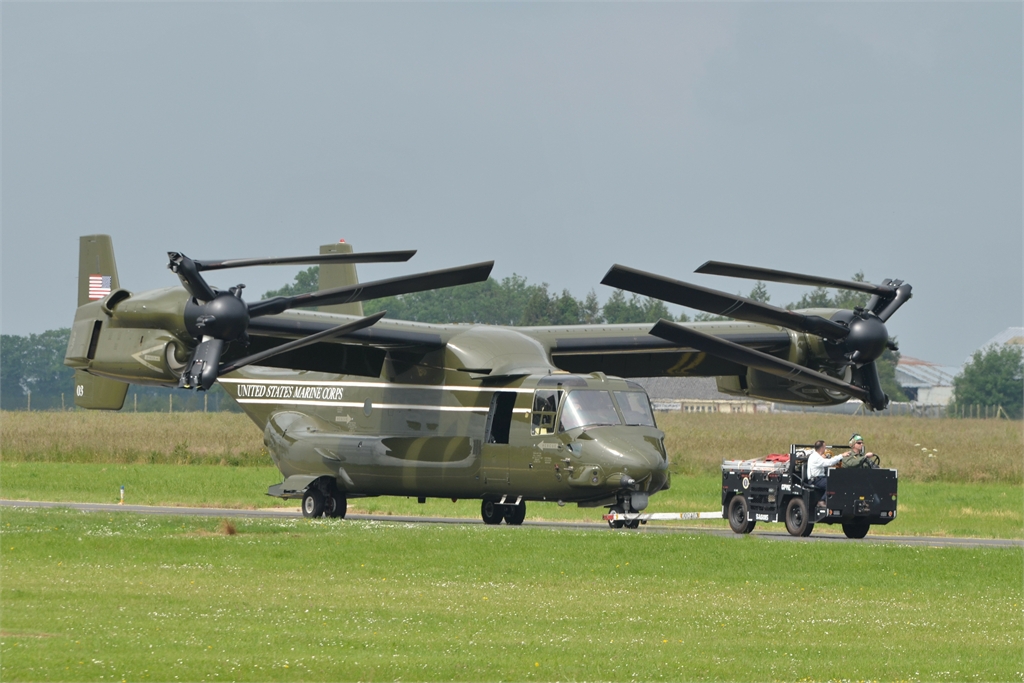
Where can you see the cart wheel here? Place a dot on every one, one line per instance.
(798, 523)
(739, 516)
(858, 529)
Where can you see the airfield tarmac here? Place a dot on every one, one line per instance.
(295, 513)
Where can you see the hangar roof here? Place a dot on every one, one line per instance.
(917, 373)
(1011, 335)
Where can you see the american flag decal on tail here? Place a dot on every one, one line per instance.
(99, 286)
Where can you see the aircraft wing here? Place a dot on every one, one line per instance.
(362, 352)
(747, 359)
(631, 351)
(620, 350)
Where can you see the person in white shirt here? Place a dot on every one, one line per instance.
(816, 464)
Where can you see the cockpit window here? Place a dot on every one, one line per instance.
(545, 405)
(636, 408)
(585, 407)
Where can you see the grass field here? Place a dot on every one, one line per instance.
(121, 597)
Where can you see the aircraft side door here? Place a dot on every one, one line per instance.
(495, 450)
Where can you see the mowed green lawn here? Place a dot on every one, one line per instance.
(126, 597)
(936, 508)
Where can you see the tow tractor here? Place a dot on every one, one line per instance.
(773, 489)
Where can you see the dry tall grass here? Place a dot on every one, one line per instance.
(81, 436)
(957, 450)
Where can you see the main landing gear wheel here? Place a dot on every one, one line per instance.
(312, 503)
(492, 513)
(515, 514)
(798, 522)
(739, 516)
(857, 529)
(335, 506)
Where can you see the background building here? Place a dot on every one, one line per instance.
(925, 383)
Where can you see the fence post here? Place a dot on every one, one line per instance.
(62, 402)
(170, 403)
(135, 400)
(29, 407)
(205, 396)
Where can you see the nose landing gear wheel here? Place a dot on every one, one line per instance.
(798, 522)
(739, 516)
(515, 514)
(618, 523)
(622, 523)
(492, 513)
(312, 504)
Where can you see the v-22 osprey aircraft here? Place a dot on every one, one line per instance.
(353, 406)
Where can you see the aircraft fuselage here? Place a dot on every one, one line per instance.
(559, 437)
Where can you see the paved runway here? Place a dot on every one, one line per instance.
(653, 527)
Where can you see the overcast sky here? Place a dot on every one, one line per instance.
(554, 138)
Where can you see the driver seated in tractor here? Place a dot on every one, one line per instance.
(856, 457)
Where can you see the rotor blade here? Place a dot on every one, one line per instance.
(769, 275)
(716, 346)
(338, 331)
(367, 257)
(437, 279)
(902, 296)
(719, 303)
(188, 272)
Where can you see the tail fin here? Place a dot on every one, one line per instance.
(97, 277)
(97, 271)
(98, 393)
(339, 275)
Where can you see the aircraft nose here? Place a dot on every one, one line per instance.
(633, 457)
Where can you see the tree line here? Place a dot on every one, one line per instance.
(33, 376)
(510, 301)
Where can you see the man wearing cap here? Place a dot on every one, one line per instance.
(856, 446)
(817, 463)
(856, 451)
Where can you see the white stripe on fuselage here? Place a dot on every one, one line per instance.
(372, 385)
(375, 406)
(376, 385)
